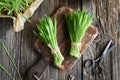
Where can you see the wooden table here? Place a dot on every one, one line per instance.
(106, 14)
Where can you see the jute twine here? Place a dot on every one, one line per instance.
(76, 44)
(53, 50)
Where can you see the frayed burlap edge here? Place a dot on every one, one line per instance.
(19, 20)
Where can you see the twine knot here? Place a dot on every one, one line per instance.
(76, 44)
(53, 50)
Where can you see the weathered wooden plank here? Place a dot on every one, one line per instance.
(62, 74)
(63, 2)
(105, 12)
(76, 71)
(89, 6)
(20, 45)
(6, 36)
(75, 4)
(113, 11)
(109, 9)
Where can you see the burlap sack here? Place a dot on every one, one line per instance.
(18, 22)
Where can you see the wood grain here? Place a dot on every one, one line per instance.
(106, 14)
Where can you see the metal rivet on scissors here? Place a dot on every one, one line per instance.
(91, 62)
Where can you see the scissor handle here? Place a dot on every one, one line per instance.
(88, 63)
(97, 70)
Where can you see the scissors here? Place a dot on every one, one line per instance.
(92, 62)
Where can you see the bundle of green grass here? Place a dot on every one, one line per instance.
(47, 33)
(77, 22)
(14, 7)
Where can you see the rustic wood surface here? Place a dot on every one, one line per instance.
(106, 14)
(64, 40)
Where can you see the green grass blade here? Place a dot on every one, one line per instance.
(9, 56)
(5, 70)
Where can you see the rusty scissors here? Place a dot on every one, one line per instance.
(95, 64)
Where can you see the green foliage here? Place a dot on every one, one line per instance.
(47, 33)
(77, 22)
(13, 7)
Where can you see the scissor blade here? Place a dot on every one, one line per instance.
(107, 52)
(106, 49)
(110, 49)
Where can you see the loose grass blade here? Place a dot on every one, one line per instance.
(9, 56)
(5, 70)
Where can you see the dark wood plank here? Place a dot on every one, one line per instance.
(63, 2)
(9, 37)
(21, 47)
(75, 4)
(89, 6)
(109, 9)
(62, 74)
(105, 13)
(76, 71)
